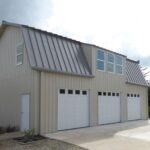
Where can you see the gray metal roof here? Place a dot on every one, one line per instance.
(51, 52)
(55, 53)
(134, 74)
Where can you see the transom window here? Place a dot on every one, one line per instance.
(119, 65)
(110, 63)
(100, 60)
(19, 54)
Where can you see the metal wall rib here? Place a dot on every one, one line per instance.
(54, 53)
(134, 74)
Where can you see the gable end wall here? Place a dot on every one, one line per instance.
(15, 81)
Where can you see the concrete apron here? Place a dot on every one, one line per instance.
(120, 136)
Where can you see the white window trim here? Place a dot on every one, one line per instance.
(18, 54)
(101, 61)
(111, 63)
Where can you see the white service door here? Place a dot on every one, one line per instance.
(134, 108)
(73, 110)
(25, 112)
(108, 109)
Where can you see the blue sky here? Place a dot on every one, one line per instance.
(119, 25)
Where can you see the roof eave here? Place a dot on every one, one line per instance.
(10, 24)
(5, 24)
(145, 85)
(2, 29)
(61, 72)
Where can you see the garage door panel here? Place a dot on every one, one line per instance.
(109, 109)
(134, 107)
(73, 111)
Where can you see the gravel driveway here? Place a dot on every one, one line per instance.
(46, 144)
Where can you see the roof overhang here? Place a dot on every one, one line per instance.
(61, 72)
(145, 85)
(4, 26)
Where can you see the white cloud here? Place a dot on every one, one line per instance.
(120, 25)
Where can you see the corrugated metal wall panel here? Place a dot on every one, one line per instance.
(16, 80)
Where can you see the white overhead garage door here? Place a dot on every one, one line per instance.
(108, 107)
(73, 109)
(134, 106)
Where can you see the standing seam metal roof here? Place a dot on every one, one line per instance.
(51, 52)
(134, 74)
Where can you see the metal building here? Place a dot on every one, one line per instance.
(50, 82)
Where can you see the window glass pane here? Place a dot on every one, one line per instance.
(119, 69)
(99, 93)
(62, 91)
(109, 93)
(100, 65)
(20, 59)
(20, 49)
(84, 92)
(19, 54)
(100, 55)
(117, 94)
(110, 67)
(113, 94)
(77, 91)
(110, 58)
(118, 60)
(70, 91)
(104, 93)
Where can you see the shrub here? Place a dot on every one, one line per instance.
(30, 133)
(11, 129)
(2, 130)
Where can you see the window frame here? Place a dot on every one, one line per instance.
(118, 65)
(100, 60)
(112, 63)
(19, 54)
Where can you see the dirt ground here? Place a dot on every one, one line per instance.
(46, 144)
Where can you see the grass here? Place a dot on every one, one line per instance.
(46, 144)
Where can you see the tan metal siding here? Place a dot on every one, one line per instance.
(16, 80)
(51, 82)
(103, 81)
